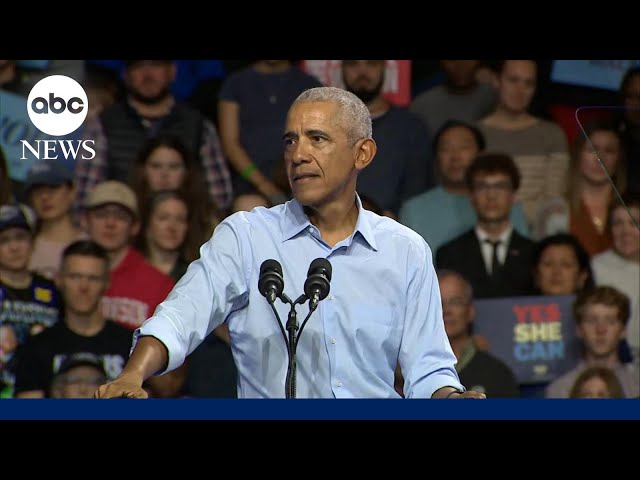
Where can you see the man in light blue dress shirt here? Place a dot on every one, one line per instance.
(383, 307)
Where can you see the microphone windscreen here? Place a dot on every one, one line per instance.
(318, 265)
(270, 265)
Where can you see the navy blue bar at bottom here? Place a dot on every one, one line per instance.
(306, 409)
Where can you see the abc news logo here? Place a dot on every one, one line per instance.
(58, 105)
(41, 105)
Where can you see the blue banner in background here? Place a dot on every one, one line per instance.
(534, 336)
(331, 409)
(33, 64)
(605, 74)
(15, 125)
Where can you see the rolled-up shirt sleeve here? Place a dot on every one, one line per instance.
(213, 286)
(426, 358)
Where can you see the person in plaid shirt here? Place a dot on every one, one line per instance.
(149, 109)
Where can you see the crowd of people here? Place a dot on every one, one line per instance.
(508, 203)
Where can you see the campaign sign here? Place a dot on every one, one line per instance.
(534, 335)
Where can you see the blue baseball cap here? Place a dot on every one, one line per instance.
(17, 216)
(47, 172)
(82, 359)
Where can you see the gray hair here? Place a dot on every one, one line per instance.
(353, 112)
(468, 289)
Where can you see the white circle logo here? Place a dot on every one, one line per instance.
(57, 105)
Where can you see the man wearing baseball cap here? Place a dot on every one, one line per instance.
(28, 302)
(136, 289)
(112, 220)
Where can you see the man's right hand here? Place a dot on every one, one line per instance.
(148, 357)
(121, 387)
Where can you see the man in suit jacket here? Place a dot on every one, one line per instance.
(494, 257)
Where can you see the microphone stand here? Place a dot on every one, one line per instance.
(316, 287)
(292, 342)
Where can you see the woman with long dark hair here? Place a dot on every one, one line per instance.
(165, 163)
(169, 238)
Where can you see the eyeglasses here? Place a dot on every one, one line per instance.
(485, 186)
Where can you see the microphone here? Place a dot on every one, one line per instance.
(271, 281)
(316, 287)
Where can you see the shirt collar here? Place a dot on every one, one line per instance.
(295, 220)
(363, 225)
(503, 238)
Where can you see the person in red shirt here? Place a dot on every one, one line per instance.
(136, 287)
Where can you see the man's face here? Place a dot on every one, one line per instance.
(455, 152)
(82, 281)
(517, 84)
(364, 78)
(600, 329)
(15, 248)
(457, 308)
(492, 196)
(320, 159)
(111, 226)
(149, 81)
